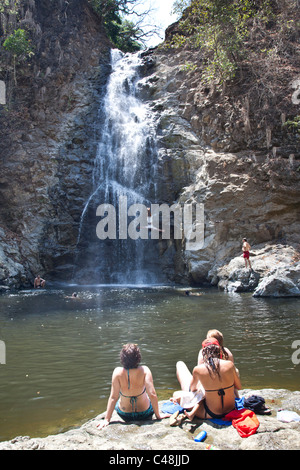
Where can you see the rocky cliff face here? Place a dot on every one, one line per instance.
(227, 149)
(224, 148)
(48, 139)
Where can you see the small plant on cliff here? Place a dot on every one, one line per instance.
(9, 6)
(293, 125)
(19, 46)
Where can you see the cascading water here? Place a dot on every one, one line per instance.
(124, 166)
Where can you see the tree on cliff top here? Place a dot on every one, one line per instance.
(219, 29)
(249, 50)
(127, 35)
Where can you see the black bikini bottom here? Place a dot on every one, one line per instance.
(213, 415)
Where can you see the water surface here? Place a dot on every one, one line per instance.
(60, 352)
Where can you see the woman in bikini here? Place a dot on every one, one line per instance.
(219, 379)
(225, 353)
(132, 395)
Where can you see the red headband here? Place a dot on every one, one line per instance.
(208, 342)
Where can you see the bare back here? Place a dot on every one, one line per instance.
(246, 246)
(132, 383)
(219, 389)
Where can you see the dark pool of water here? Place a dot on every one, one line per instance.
(60, 352)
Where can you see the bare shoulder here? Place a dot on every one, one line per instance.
(227, 365)
(146, 370)
(199, 369)
(118, 371)
(230, 355)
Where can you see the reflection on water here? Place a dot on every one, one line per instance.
(60, 352)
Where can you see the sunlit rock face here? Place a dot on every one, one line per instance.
(209, 154)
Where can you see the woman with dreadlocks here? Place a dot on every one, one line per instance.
(217, 376)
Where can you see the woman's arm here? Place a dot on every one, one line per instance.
(151, 392)
(113, 398)
(230, 355)
(237, 380)
(195, 380)
(200, 357)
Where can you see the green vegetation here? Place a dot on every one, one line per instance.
(125, 35)
(19, 46)
(9, 6)
(18, 43)
(219, 29)
(18, 37)
(293, 125)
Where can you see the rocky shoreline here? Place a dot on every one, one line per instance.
(275, 272)
(272, 434)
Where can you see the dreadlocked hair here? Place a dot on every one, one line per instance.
(211, 357)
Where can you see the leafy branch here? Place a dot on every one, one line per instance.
(127, 35)
(19, 47)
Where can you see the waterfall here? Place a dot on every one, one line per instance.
(124, 166)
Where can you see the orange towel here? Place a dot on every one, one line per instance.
(244, 421)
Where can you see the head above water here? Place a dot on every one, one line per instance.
(130, 356)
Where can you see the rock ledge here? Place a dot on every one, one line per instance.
(272, 434)
(275, 272)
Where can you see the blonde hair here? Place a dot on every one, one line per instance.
(219, 336)
(215, 334)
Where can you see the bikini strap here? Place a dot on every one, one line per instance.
(217, 390)
(133, 400)
(128, 379)
(221, 393)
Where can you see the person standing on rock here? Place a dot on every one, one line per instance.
(246, 252)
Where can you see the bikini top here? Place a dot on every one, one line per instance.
(221, 392)
(133, 399)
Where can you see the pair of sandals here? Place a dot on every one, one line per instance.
(177, 419)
